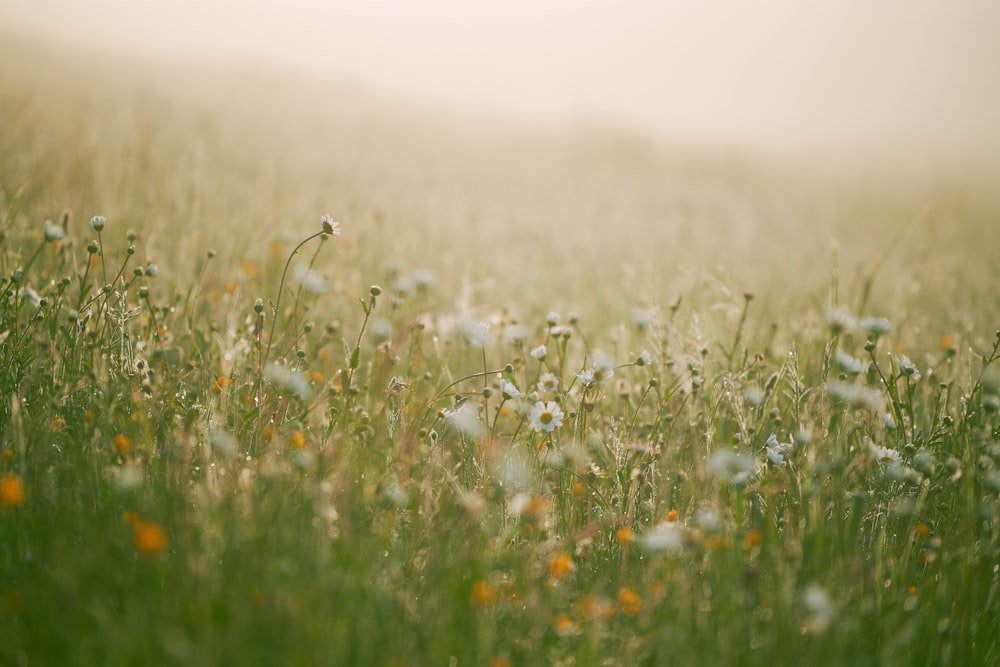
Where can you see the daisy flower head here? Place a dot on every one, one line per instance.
(546, 416)
(907, 367)
(840, 320)
(875, 326)
(98, 222)
(601, 370)
(886, 456)
(330, 226)
(53, 232)
(732, 466)
(477, 333)
(538, 352)
(548, 382)
(776, 451)
(850, 364)
(644, 358)
(509, 390)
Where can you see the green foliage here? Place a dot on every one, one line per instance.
(193, 471)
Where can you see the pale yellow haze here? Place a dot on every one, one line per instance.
(917, 80)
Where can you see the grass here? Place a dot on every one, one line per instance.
(221, 444)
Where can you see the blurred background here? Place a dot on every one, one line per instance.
(911, 84)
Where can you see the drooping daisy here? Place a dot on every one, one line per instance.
(509, 390)
(546, 416)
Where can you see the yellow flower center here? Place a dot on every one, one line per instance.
(545, 417)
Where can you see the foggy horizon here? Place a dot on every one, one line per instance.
(828, 79)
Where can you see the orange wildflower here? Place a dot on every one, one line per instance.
(672, 516)
(949, 345)
(57, 423)
(629, 602)
(624, 535)
(500, 662)
(483, 593)
(297, 439)
(220, 384)
(122, 444)
(560, 564)
(11, 490)
(752, 539)
(150, 538)
(564, 625)
(923, 530)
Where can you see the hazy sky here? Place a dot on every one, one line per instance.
(915, 75)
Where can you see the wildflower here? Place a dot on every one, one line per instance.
(126, 477)
(644, 359)
(548, 382)
(149, 537)
(840, 320)
(57, 423)
(423, 279)
(668, 536)
(875, 326)
(509, 390)
(221, 383)
(538, 352)
(565, 626)
(629, 601)
(624, 535)
(11, 490)
(546, 416)
(466, 419)
(122, 444)
(820, 610)
(297, 439)
(53, 232)
(854, 396)
(287, 379)
(889, 422)
(552, 319)
(330, 226)
(516, 333)
(732, 466)
(560, 564)
(476, 333)
(776, 451)
(483, 593)
(380, 330)
(850, 364)
(311, 281)
(97, 222)
(907, 368)
(602, 369)
(949, 345)
(222, 441)
(752, 539)
(640, 319)
(884, 455)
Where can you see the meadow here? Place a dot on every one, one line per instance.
(294, 375)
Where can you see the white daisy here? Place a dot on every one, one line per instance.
(546, 416)
(509, 390)
(548, 382)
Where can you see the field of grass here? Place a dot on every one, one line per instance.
(532, 396)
